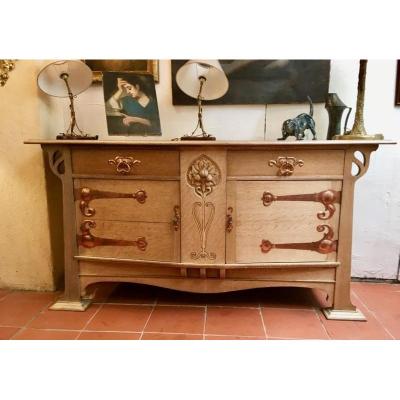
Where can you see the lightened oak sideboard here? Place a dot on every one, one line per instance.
(209, 217)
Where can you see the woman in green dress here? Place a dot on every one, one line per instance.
(132, 109)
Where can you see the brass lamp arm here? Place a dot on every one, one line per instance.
(200, 125)
(73, 124)
(200, 108)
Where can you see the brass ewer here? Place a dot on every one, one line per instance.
(335, 108)
(358, 131)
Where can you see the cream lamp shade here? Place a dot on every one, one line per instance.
(67, 79)
(215, 85)
(51, 82)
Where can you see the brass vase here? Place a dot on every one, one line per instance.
(335, 108)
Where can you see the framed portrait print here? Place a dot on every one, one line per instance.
(131, 104)
(265, 82)
(100, 66)
(397, 93)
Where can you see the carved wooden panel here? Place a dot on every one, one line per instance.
(282, 231)
(203, 205)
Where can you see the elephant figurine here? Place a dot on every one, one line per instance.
(297, 126)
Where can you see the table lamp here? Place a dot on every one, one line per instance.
(67, 79)
(202, 80)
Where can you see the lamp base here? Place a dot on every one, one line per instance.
(208, 137)
(377, 136)
(63, 136)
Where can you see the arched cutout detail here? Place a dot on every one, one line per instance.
(360, 163)
(360, 156)
(204, 285)
(57, 164)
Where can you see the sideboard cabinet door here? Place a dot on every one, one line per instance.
(282, 221)
(128, 219)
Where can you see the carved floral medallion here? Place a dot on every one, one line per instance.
(203, 175)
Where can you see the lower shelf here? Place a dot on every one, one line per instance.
(105, 269)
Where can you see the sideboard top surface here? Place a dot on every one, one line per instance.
(224, 143)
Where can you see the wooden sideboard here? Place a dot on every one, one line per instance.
(209, 216)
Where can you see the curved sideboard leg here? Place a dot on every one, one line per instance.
(343, 309)
(60, 164)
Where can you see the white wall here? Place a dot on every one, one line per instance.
(376, 244)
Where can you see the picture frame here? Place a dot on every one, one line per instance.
(397, 92)
(100, 66)
(265, 82)
(131, 104)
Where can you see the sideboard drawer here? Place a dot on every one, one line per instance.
(128, 240)
(274, 221)
(125, 162)
(127, 200)
(285, 163)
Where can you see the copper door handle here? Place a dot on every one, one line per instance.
(177, 218)
(229, 219)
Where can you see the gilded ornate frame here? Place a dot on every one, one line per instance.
(100, 66)
(6, 66)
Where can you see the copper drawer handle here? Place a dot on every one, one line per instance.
(229, 219)
(86, 195)
(88, 240)
(324, 246)
(326, 197)
(177, 218)
(124, 164)
(285, 165)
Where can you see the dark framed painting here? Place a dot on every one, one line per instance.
(131, 104)
(265, 82)
(100, 66)
(397, 94)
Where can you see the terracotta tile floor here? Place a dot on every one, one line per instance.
(128, 311)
